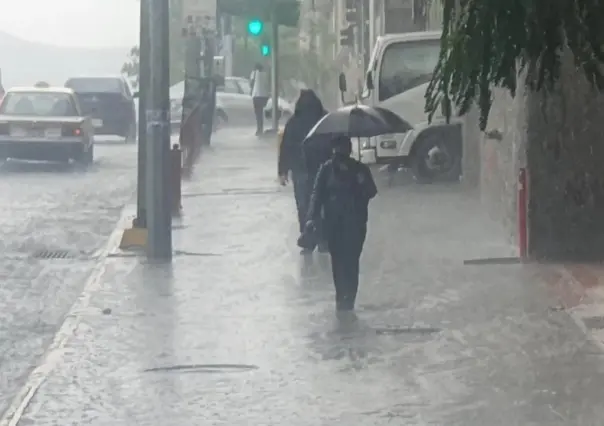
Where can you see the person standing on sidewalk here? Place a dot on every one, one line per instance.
(260, 94)
(307, 112)
(343, 189)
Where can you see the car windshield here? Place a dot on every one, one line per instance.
(406, 65)
(38, 104)
(94, 85)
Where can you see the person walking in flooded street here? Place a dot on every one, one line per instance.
(260, 94)
(308, 111)
(343, 189)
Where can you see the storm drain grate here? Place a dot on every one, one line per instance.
(53, 254)
(594, 323)
(407, 330)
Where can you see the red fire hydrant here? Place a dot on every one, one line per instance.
(176, 179)
(522, 214)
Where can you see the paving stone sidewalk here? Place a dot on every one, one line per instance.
(241, 329)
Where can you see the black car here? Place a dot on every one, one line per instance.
(109, 101)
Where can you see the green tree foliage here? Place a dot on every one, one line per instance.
(486, 42)
(132, 66)
(177, 48)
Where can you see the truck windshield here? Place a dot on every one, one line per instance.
(406, 65)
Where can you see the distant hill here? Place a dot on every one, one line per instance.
(24, 63)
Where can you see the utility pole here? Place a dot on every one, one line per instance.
(313, 45)
(361, 34)
(227, 44)
(144, 83)
(372, 34)
(275, 69)
(192, 73)
(159, 218)
(208, 90)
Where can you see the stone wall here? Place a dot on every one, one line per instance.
(557, 136)
(565, 157)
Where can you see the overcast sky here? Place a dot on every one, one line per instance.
(72, 22)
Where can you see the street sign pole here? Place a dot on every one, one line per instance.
(143, 92)
(208, 97)
(275, 69)
(159, 218)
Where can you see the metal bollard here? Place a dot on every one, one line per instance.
(176, 177)
(522, 215)
(279, 142)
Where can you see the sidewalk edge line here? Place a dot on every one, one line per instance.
(52, 355)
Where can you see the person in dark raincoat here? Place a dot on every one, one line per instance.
(307, 112)
(343, 189)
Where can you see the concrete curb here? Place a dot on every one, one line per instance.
(54, 353)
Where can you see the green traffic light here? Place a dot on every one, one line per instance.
(255, 26)
(265, 49)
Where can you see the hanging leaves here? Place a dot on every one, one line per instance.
(484, 41)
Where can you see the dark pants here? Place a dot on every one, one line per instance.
(345, 249)
(302, 191)
(259, 104)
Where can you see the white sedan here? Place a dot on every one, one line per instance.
(233, 103)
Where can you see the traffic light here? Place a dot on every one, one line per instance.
(255, 27)
(347, 36)
(265, 49)
(351, 11)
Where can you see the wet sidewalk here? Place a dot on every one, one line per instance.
(241, 329)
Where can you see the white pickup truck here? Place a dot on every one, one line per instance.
(397, 76)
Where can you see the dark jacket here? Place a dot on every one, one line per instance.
(308, 111)
(343, 189)
(317, 150)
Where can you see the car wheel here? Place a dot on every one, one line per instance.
(435, 160)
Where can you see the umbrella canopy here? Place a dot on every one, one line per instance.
(360, 121)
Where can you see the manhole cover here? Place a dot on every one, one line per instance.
(594, 323)
(53, 254)
(407, 330)
(204, 368)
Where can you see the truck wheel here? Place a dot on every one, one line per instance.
(436, 160)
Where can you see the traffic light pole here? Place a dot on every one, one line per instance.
(208, 90)
(275, 71)
(159, 218)
(192, 93)
(143, 91)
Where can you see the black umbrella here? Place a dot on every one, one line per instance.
(360, 121)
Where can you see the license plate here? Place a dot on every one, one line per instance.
(97, 122)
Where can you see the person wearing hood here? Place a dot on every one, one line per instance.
(342, 190)
(308, 111)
